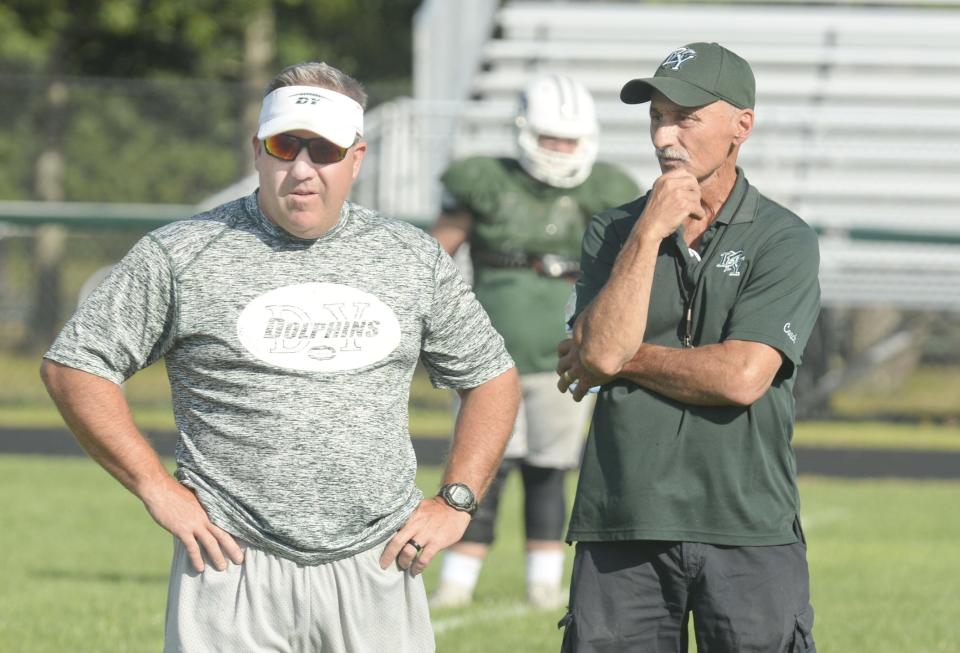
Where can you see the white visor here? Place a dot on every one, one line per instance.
(326, 113)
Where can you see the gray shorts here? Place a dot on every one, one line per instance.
(269, 603)
(639, 595)
(550, 426)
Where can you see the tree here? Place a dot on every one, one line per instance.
(204, 39)
(156, 100)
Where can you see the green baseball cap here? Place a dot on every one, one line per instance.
(695, 75)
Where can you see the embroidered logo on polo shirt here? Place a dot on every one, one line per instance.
(678, 57)
(790, 334)
(318, 327)
(731, 262)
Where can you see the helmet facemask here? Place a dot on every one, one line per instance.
(560, 107)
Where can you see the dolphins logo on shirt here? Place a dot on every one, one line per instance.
(322, 327)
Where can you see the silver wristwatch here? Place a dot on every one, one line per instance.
(459, 497)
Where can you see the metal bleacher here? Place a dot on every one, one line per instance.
(858, 126)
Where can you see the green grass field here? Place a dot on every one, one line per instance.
(930, 393)
(25, 404)
(84, 568)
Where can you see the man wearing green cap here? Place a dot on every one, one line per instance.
(694, 306)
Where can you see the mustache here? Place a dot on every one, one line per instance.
(672, 153)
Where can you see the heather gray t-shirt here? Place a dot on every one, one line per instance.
(290, 364)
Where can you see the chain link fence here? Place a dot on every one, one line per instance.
(104, 141)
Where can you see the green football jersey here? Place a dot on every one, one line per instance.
(515, 214)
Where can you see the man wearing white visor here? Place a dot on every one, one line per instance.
(290, 322)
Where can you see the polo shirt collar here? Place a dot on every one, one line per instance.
(741, 205)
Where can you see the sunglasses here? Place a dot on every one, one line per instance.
(286, 147)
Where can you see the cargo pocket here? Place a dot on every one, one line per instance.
(803, 633)
(569, 633)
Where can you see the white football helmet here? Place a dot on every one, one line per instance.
(554, 105)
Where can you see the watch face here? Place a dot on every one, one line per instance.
(460, 495)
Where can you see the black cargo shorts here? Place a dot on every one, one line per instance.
(638, 596)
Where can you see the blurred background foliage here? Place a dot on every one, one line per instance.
(155, 100)
(204, 39)
(148, 102)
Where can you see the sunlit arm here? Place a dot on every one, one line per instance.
(484, 424)
(97, 413)
(612, 327)
(731, 373)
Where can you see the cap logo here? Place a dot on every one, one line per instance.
(330, 114)
(307, 98)
(678, 57)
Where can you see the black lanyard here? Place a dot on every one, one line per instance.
(690, 277)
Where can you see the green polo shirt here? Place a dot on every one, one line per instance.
(656, 469)
(515, 214)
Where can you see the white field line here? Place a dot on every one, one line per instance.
(496, 612)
